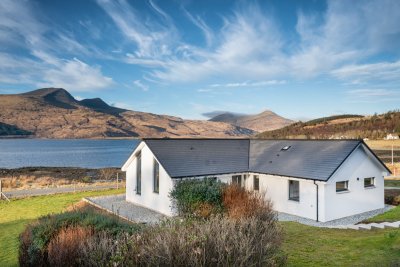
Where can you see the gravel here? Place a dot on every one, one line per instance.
(350, 220)
(119, 206)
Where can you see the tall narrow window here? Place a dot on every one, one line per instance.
(237, 179)
(256, 183)
(139, 173)
(294, 190)
(156, 177)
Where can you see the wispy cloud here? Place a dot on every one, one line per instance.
(372, 95)
(251, 46)
(41, 66)
(142, 86)
(383, 71)
(250, 84)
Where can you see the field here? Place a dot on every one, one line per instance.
(16, 214)
(304, 245)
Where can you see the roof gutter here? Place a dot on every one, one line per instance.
(317, 198)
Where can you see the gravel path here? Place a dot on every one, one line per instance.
(117, 205)
(343, 221)
(55, 190)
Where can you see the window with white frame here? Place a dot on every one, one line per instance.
(342, 186)
(369, 182)
(294, 190)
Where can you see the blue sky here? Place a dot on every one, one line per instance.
(301, 59)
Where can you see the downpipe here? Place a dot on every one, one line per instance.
(317, 199)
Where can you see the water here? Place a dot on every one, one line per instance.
(16, 153)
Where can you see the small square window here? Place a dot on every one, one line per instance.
(342, 186)
(369, 182)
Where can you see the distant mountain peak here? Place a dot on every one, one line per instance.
(266, 120)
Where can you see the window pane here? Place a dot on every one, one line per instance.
(294, 190)
(139, 174)
(369, 182)
(156, 177)
(341, 186)
(237, 179)
(256, 183)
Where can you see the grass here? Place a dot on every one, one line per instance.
(392, 215)
(392, 183)
(383, 144)
(311, 246)
(17, 213)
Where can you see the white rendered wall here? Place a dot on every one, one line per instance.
(358, 199)
(276, 188)
(159, 202)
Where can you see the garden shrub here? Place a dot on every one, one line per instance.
(219, 241)
(193, 196)
(239, 203)
(36, 236)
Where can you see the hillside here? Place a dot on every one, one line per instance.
(55, 113)
(341, 126)
(264, 121)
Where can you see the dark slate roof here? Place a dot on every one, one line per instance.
(199, 157)
(309, 159)
(315, 159)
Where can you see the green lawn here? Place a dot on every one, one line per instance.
(311, 246)
(17, 213)
(392, 183)
(392, 215)
(305, 245)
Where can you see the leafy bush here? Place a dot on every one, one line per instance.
(198, 196)
(36, 237)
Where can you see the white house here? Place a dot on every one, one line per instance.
(321, 180)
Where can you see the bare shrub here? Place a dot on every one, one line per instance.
(219, 241)
(240, 203)
(108, 173)
(65, 248)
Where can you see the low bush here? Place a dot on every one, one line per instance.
(197, 197)
(36, 237)
(239, 203)
(219, 241)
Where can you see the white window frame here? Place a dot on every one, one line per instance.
(372, 185)
(346, 187)
(297, 199)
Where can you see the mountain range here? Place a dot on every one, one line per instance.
(55, 113)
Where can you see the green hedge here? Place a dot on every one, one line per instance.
(189, 194)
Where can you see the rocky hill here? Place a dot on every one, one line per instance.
(55, 113)
(341, 126)
(264, 121)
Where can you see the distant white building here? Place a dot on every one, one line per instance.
(321, 180)
(391, 137)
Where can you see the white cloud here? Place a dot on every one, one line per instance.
(250, 84)
(75, 75)
(142, 86)
(383, 71)
(369, 95)
(250, 45)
